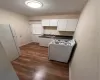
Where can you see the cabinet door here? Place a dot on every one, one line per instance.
(37, 29)
(44, 41)
(45, 22)
(53, 22)
(62, 24)
(71, 24)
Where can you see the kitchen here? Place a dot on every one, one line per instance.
(55, 32)
(40, 49)
(44, 30)
(40, 40)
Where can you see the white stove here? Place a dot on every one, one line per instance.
(60, 49)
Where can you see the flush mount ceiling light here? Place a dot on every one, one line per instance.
(34, 4)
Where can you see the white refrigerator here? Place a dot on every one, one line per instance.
(9, 41)
(6, 70)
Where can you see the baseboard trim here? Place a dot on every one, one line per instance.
(29, 43)
(70, 73)
(25, 44)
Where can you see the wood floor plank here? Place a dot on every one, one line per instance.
(33, 64)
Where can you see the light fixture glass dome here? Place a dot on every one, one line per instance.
(33, 4)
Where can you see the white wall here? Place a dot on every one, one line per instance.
(54, 17)
(19, 23)
(85, 62)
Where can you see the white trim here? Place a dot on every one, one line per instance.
(70, 72)
(25, 44)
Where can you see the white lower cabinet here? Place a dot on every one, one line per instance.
(44, 41)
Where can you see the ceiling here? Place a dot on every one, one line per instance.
(49, 7)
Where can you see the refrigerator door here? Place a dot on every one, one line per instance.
(6, 70)
(8, 42)
(15, 39)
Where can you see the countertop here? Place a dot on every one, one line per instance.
(56, 36)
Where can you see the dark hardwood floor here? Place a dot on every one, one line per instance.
(33, 64)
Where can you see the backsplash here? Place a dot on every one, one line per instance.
(54, 31)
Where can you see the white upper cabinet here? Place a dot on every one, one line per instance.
(62, 25)
(49, 22)
(53, 22)
(37, 28)
(67, 24)
(71, 24)
(45, 22)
